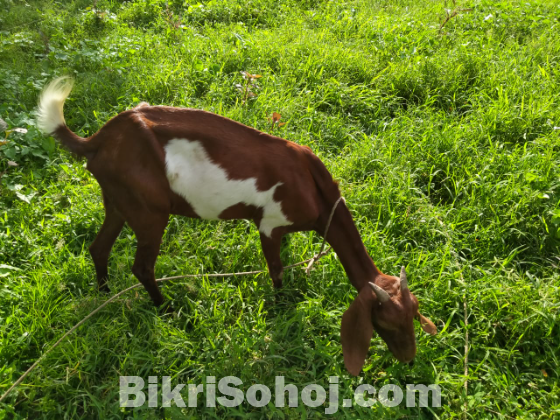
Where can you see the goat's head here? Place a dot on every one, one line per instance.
(389, 307)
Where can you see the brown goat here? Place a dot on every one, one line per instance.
(153, 161)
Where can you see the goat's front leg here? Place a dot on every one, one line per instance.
(101, 246)
(271, 251)
(149, 231)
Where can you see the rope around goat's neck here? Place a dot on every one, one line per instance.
(311, 261)
(319, 255)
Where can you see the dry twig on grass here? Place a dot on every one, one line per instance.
(450, 14)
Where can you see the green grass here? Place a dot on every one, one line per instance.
(446, 145)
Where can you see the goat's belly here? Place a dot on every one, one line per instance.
(208, 189)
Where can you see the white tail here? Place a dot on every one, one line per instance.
(49, 113)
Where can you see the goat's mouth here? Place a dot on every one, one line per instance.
(408, 360)
(407, 357)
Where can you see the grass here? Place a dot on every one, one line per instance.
(446, 144)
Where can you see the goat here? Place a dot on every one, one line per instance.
(153, 161)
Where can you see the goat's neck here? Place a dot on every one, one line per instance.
(345, 239)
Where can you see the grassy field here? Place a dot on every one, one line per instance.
(446, 143)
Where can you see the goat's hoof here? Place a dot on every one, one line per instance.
(104, 288)
(165, 308)
(280, 295)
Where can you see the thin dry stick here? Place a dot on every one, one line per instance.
(465, 317)
(466, 321)
(466, 362)
(501, 414)
(451, 15)
(112, 298)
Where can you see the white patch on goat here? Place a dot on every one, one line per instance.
(207, 188)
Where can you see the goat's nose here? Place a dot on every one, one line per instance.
(411, 363)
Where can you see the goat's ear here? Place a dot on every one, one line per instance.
(356, 331)
(427, 325)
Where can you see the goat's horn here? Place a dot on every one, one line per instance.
(404, 281)
(381, 294)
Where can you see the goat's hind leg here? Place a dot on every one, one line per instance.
(101, 246)
(149, 231)
(271, 251)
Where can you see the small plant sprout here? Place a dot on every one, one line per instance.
(99, 15)
(450, 14)
(45, 40)
(275, 119)
(250, 84)
(170, 19)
